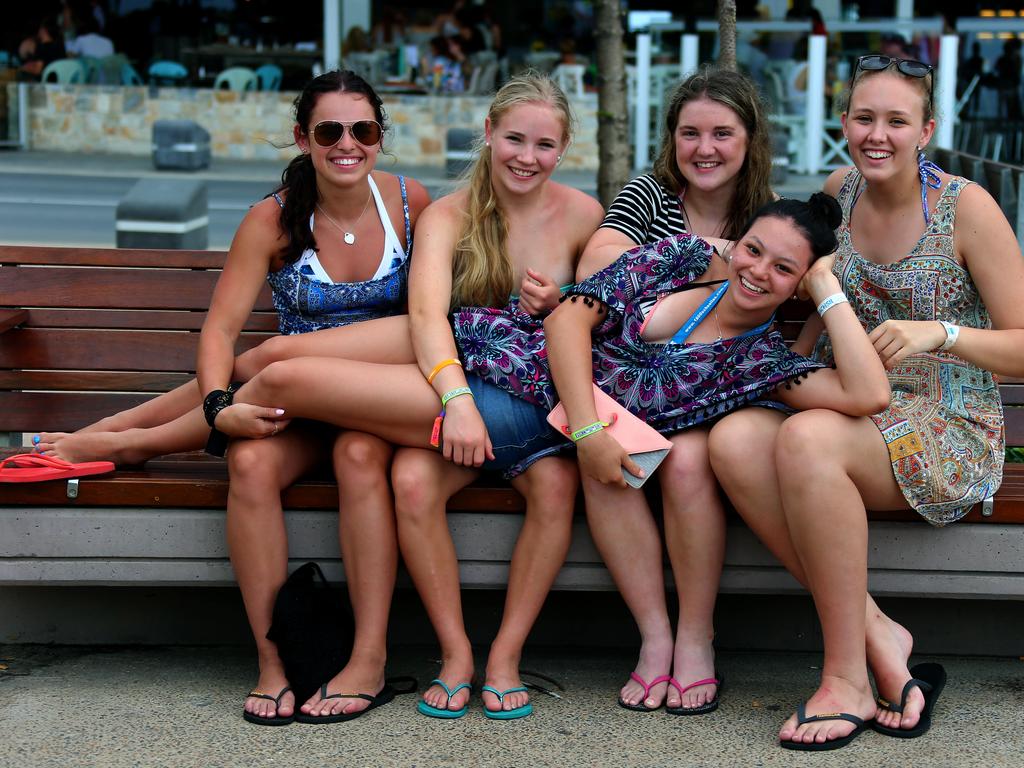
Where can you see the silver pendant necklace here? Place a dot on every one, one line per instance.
(348, 235)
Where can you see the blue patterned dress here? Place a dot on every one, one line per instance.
(944, 426)
(305, 303)
(670, 386)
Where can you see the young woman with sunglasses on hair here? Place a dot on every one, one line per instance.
(934, 273)
(711, 174)
(333, 242)
(511, 231)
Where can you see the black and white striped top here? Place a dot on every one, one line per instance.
(645, 211)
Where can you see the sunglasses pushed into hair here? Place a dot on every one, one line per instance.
(327, 133)
(876, 62)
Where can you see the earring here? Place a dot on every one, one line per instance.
(558, 159)
(487, 143)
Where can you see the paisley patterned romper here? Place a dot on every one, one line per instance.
(944, 425)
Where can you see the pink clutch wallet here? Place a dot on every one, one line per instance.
(644, 444)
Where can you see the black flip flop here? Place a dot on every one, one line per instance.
(387, 694)
(822, 746)
(277, 719)
(931, 679)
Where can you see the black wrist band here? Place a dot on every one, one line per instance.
(215, 402)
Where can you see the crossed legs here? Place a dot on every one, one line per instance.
(818, 531)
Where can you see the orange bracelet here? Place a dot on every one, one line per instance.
(441, 366)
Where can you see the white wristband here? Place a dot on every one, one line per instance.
(830, 301)
(952, 334)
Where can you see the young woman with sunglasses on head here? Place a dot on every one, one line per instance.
(333, 242)
(711, 174)
(511, 230)
(934, 273)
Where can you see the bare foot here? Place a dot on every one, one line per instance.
(692, 661)
(654, 662)
(889, 646)
(454, 671)
(502, 673)
(363, 675)
(88, 446)
(834, 695)
(270, 683)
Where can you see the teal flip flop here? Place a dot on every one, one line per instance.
(444, 714)
(507, 714)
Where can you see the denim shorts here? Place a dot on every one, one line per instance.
(519, 431)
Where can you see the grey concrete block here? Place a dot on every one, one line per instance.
(458, 153)
(164, 213)
(181, 145)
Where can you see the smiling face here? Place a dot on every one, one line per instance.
(525, 143)
(710, 144)
(347, 161)
(767, 264)
(884, 125)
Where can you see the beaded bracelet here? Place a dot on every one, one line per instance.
(451, 394)
(441, 366)
(588, 430)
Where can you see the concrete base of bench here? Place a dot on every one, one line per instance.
(172, 547)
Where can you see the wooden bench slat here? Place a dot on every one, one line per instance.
(93, 381)
(93, 350)
(1014, 419)
(142, 319)
(103, 288)
(12, 317)
(107, 257)
(61, 411)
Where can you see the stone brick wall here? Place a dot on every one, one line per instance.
(115, 119)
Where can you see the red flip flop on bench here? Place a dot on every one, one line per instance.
(36, 467)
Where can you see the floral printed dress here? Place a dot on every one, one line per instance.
(944, 426)
(670, 386)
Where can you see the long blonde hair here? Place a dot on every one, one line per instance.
(482, 273)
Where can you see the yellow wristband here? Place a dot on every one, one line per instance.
(440, 367)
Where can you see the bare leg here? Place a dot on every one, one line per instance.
(627, 538)
(549, 487)
(828, 525)
(740, 447)
(423, 483)
(369, 549)
(173, 422)
(258, 545)
(695, 538)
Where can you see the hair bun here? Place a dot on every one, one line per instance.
(826, 207)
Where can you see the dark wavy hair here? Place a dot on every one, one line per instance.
(298, 181)
(738, 92)
(817, 220)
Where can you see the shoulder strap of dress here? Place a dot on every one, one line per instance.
(280, 202)
(405, 212)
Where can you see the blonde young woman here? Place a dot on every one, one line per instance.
(511, 231)
(934, 273)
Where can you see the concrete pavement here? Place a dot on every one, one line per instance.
(163, 706)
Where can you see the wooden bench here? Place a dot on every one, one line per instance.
(87, 332)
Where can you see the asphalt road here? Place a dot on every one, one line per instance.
(74, 209)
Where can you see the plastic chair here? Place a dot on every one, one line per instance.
(167, 73)
(268, 77)
(91, 69)
(63, 72)
(236, 79)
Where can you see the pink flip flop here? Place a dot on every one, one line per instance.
(37, 467)
(641, 707)
(703, 709)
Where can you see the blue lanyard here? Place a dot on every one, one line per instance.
(702, 311)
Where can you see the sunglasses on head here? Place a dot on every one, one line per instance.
(875, 62)
(327, 133)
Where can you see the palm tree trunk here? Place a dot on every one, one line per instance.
(612, 110)
(727, 34)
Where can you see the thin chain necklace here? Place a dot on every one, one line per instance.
(350, 237)
(718, 327)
